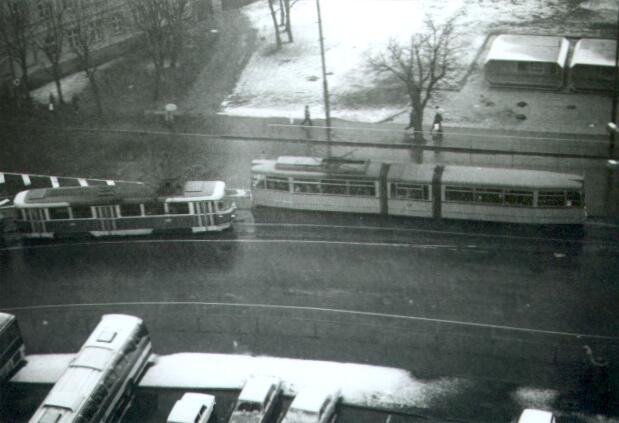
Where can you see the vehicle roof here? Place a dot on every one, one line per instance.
(186, 408)
(516, 178)
(313, 167)
(5, 320)
(311, 399)
(256, 388)
(531, 415)
(529, 48)
(596, 52)
(411, 172)
(117, 194)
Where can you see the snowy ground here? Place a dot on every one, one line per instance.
(279, 83)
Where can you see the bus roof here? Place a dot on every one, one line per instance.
(317, 167)
(117, 194)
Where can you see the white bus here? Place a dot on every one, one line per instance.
(98, 385)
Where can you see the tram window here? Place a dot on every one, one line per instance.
(409, 191)
(259, 181)
(494, 196)
(574, 199)
(130, 210)
(152, 209)
(81, 212)
(278, 184)
(362, 188)
(551, 199)
(223, 205)
(333, 186)
(458, 194)
(56, 213)
(519, 198)
(40, 182)
(178, 208)
(306, 186)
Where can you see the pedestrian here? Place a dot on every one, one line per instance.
(437, 124)
(307, 121)
(52, 102)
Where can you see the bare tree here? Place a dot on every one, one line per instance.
(150, 17)
(85, 31)
(50, 38)
(431, 56)
(176, 14)
(288, 24)
(15, 23)
(278, 39)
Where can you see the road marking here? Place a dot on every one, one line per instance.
(240, 241)
(319, 309)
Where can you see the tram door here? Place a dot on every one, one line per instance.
(204, 213)
(36, 217)
(106, 216)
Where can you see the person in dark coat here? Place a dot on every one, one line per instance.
(307, 121)
(437, 124)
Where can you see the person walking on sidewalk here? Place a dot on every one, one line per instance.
(307, 121)
(52, 102)
(437, 124)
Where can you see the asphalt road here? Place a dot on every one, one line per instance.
(502, 306)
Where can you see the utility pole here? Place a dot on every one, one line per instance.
(613, 117)
(325, 85)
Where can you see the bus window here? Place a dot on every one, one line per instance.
(153, 209)
(56, 213)
(178, 208)
(574, 199)
(551, 199)
(459, 194)
(258, 181)
(519, 198)
(333, 186)
(127, 210)
(311, 187)
(278, 184)
(81, 212)
(485, 195)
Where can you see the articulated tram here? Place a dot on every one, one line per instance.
(98, 385)
(426, 190)
(124, 209)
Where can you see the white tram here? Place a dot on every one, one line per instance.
(124, 209)
(97, 386)
(427, 190)
(12, 350)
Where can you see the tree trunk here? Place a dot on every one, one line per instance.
(58, 85)
(277, 37)
(417, 114)
(282, 13)
(288, 25)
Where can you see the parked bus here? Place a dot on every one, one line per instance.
(426, 190)
(99, 382)
(12, 350)
(124, 209)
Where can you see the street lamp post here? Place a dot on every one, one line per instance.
(325, 85)
(613, 117)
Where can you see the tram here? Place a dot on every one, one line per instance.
(12, 350)
(426, 190)
(99, 382)
(124, 209)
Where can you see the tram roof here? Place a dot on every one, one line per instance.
(317, 166)
(516, 178)
(411, 172)
(117, 194)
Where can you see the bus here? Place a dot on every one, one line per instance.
(419, 190)
(98, 385)
(106, 210)
(12, 349)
